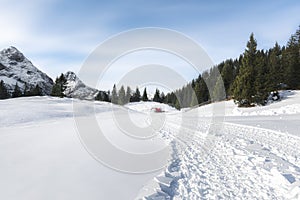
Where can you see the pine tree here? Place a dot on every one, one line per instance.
(36, 91)
(145, 96)
(17, 91)
(99, 96)
(114, 95)
(156, 97)
(122, 96)
(194, 100)
(177, 105)
(107, 96)
(170, 99)
(293, 61)
(228, 75)
(59, 86)
(137, 94)
(102, 96)
(219, 90)
(276, 73)
(261, 85)
(26, 91)
(204, 92)
(3, 91)
(193, 84)
(162, 97)
(187, 96)
(243, 85)
(128, 94)
(136, 97)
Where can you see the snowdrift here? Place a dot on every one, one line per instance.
(289, 104)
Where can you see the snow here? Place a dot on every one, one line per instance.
(16, 68)
(41, 156)
(77, 89)
(148, 106)
(275, 108)
(252, 154)
(289, 104)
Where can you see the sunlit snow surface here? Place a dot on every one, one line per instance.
(254, 155)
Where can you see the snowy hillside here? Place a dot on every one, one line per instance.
(289, 104)
(41, 156)
(16, 68)
(248, 156)
(77, 89)
(148, 106)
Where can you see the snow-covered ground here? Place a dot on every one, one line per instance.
(252, 154)
(41, 156)
(147, 107)
(289, 104)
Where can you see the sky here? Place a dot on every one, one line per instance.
(58, 36)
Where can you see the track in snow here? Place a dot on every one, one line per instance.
(232, 161)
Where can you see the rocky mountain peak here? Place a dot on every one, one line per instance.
(77, 89)
(70, 76)
(15, 68)
(13, 54)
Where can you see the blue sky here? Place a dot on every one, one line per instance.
(58, 35)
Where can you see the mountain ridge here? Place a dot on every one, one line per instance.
(15, 68)
(75, 88)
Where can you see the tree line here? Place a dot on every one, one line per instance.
(123, 96)
(116, 96)
(18, 92)
(249, 79)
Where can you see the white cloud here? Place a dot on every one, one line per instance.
(66, 48)
(48, 51)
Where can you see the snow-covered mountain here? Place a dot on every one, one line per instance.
(15, 68)
(77, 89)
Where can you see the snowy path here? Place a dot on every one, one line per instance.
(241, 162)
(283, 123)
